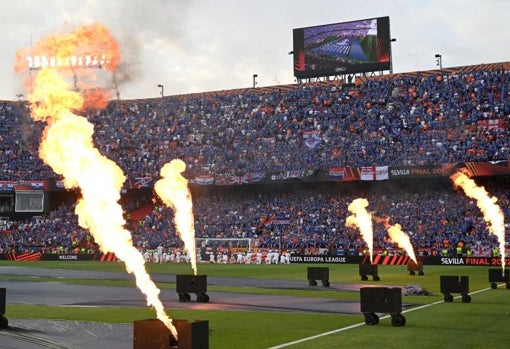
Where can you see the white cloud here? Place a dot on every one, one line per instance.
(205, 45)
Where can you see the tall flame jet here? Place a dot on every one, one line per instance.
(402, 239)
(363, 220)
(67, 146)
(172, 188)
(492, 213)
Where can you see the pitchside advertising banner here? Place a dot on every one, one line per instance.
(398, 260)
(68, 257)
(294, 258)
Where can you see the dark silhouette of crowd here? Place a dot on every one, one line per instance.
(408, 119)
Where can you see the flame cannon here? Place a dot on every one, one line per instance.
(318, 273)
(455, 284)
(369, 269)
(153, 333)
(382, 300)
(497, 275)
(4, 323)
(186, 284)
(414, 268)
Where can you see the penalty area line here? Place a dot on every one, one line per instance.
(338, 330)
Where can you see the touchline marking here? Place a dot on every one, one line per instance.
(363, 323)
(320, 335)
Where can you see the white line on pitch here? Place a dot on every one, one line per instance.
(324, 334)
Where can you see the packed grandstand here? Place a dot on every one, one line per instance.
(280, 165)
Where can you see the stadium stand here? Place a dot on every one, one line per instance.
(292, 132)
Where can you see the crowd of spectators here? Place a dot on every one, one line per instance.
(418, 119)
(315, 35)
(438, 118)
(298, 217)
(56, 232)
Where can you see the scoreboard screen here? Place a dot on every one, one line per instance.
(342, 48)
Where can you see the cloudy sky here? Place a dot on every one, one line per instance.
(208, 45)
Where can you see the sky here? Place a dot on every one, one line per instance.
(193, 46)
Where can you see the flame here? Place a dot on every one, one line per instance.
(492, 213)
(398, 236)
(172, 188)
(87, 46)
(363, 220)
(75, 55)
(67, 146)
(402, 240)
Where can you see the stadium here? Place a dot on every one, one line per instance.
(272, 174)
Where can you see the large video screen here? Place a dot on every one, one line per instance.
(342, 48)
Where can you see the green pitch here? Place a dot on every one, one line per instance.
(430, 322)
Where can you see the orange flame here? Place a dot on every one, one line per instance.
(67, 146)
(398, 236)
(88, 46)
(402, 240)
(363, 220)
(172, 188)
(75, 55)
(492, 213)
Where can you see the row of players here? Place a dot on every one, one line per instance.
(221, 257)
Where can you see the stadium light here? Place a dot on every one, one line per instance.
(439, 60)
(162, 89)
(391, 55)
(254, 80)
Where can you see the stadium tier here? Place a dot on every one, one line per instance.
(280, 164)
(425, 118)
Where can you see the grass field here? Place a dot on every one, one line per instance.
(430, 322)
